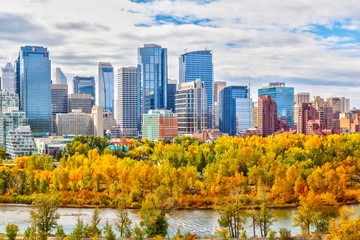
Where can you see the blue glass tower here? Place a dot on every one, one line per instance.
(235, 110)
(199, 65)
(105, 90)
(35, 87)
(17, 78)
(152, 77)
(171, 92)
(284, 98)
(84, 85)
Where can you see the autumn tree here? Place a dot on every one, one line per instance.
(123, 222)
(11, 231)
(232, 217)
(265, 219)
(345, 228)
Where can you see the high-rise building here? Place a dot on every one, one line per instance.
(17, 78)
(306, 113)
(199, 65)
(335, 103)
(152, 74)
(284, 98)
(171, 92)
(8, 78)
(74, 123)
(83, 102)
(35, 87)
(191, 107)
(235, 113)
(84, 85)
(97, 113)
(325, 112)
(301, 97)
(345, 105)
(218, 86)
(160, 125)
(59, 102)
(105, 90)
(20, 142)
(59, 77)
(267, 114)
(127, 118)
(255, 114)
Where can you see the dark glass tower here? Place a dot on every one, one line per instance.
(84, 85)
(35, 87)
(105, 90)
(199, 65)
(152, 78)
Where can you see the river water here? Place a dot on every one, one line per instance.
(200, 222)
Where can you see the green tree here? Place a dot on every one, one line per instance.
(109, 233)
(123, 221)
(232, 218)
(253, 214)
(44, 215)
(11, 231)
(265, 219)
(303, 218)
(95, 221)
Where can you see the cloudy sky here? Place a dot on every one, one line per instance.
(312, 45)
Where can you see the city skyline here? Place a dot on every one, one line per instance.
(310, 46)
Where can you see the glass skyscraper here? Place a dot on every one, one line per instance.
(152, 74)
(105, 90)
(84, 85)
(235, 110)
(35, 87)
(171, 91)
(284, 98)
(199, 65)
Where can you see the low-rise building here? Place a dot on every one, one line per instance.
(20, 142)
(75, 123)
(160, 125)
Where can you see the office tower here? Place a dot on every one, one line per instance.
(83, 102)
(199, 65)
(267, 114)
(20, 142)
(152, 78)
(325, 112)
(59, 77)
(335, 103)
(35, 87)
(8, 78)
(10, 117)
(306, 113)
(97, 113)
(284, 98)
(171, 92)
(160, 125)
(105, 90)
(74, 123)
(59, 102)
(255, 114)
(127, 118)
(85, 85)
(191, 107)
(218, 86)
(17, 78)
(301, 97)
(345, 105)
(235, 114)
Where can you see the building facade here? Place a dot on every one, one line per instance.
(160, 125)
(152, 74)
(267, 115)
(75, 123)
(235, 114)
(8, 78)
(301, 97)
(218, 86)
(83, 102)
(35, 87)
(59, 77)
(326, 116)
(284, 98)
(20, 142)
(97, 113)
(171, 92)
(199, 65)
(191, 107)
(127, 118)
(105, 90)
(84, 85)
(59, 102)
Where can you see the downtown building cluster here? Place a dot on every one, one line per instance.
(149, 105)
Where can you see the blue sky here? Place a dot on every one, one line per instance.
(311, 45)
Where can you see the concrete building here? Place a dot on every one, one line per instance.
(74, 123)
(160, 125)
(255, 114)
(108, 121)
(8, 78)
(267, 115)
(59, 77)
(191, 107)
(325, 112)
(218, 86)
(305, 115)
(127, 103)
(59, 102)
(345, 105)
(20, 142)
(301, 97)
(97, 113)
(83, 102)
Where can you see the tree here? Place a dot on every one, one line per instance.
(44, 215)
(109, 234)
(11, 231)
(346, 228)
(60, 232)
(153, 219)
(303, 218)
(265, 219)
(254, 217)
(232, 218)
(123, 221)
(95, 221)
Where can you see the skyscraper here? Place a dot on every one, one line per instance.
(218, 86)
(152, 77)
(301, 97)
(59, 102)
(171, 92)
(127, 118)
(105, 90)
(267, 114)
(235, 110)
(85, 85)
(284, 98)
(199, 65)
(8, 78)
(35, 87)
(59, 77)
(17, 78)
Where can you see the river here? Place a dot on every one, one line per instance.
(200, 222)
